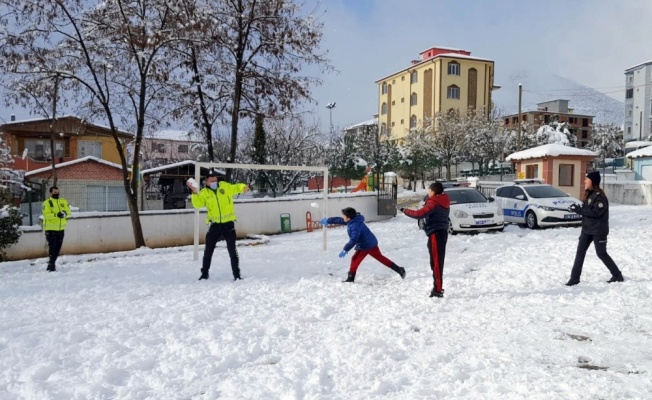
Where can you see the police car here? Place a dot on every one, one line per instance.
(533, 203)
(471, 211)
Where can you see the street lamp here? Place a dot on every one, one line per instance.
(330, 107)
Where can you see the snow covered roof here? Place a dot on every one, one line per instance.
(172, 134)
(548, 150)
(164, 167)
(77, 161)
(638, 65)
(364, 123)
(635, 144)
(441, 48)
(644, 152)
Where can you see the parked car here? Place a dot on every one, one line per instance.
(471, 211)
(534, 204)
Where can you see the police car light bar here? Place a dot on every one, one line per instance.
(531, 180)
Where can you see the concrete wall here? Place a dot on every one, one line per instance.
(107, 232)
(629, 192)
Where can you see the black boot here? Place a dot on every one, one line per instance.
(204, 274)
(398, 270)
(435, 293)
(350, 277)
(237, 277)
(618, 278)
(572, 282)
(51, 268)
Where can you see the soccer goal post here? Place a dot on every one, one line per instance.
(208, 165)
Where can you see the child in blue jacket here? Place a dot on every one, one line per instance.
(362, 239)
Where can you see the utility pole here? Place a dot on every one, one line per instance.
(54, 115)
(520, 92)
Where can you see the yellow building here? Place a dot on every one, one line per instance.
(441, 79)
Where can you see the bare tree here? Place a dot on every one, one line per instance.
(111, 59)
(263, 45)
(450, 139)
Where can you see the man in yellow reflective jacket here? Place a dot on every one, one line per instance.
(217, 197)
(55, 217)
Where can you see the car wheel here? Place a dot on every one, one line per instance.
(450, 228)
(531, 220)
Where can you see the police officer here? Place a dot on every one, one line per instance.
(217, 197)
(55, 217)
(595, 228)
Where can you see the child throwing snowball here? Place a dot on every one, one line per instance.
(364, 241)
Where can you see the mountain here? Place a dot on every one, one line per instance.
(541, 87)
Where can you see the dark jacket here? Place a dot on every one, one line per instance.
(435, 211)
(595, 214)
(360, 235)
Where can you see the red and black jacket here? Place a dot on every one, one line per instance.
(435, 212)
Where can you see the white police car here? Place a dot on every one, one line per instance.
(471, 211)
(534, 203)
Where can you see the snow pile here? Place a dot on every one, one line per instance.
(548, 150)
(139, 325)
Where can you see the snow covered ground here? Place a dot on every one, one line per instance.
(138, 325)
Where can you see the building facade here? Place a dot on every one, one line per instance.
(169, 146)
(579, 125)
(73, 138)
(441, 79)
(638, 102)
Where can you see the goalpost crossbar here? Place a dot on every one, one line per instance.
(208, 165)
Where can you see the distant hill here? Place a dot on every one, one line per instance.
(538, 88)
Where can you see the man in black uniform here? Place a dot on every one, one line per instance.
(595, 228)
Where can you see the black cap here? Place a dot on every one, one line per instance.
(594, 176)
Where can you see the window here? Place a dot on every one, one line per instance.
(383, 129)
(566, 174)
(40, 149)
(546, 119)
(402, 78)
(629, 129)
(158, 147)
(393, 102)
(413, 122)
(630, 78)
(383, 108)
(402, 99)
(629, 94)
(572, 120)
(453, 92)
(585, 122)
(414, 77)
(384, 88)
(87, 148)
(413, 99)
(453, 68)
(629, 113)
(531, 171)
(393, 123)
(183, 148)
(401, 122)
(516, 191)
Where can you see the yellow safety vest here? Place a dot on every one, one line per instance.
(219, 202)
(51, 208)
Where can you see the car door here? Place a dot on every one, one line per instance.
(520, 203)
(504, 200)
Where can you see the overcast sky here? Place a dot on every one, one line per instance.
(589, 41)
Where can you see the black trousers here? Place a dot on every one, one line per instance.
(55, 241)
(437, 248)
(600, 243)
(216, 233)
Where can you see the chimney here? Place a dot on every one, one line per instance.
(13, 117)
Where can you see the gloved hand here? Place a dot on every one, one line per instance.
(61, 214)
(402, 209)
(324, 221)
(574, 208)
(342, 253)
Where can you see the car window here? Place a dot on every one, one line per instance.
(544, 191)
(504, 191)
(466, 196)
(515, 192)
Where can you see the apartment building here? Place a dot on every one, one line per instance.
(638, 102)
(439, 80)
(579, 125)
(169, 146)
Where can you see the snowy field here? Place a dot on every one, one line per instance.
(138, 325)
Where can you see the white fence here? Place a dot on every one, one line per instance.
(106, 232)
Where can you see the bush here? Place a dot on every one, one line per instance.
(10, 220)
